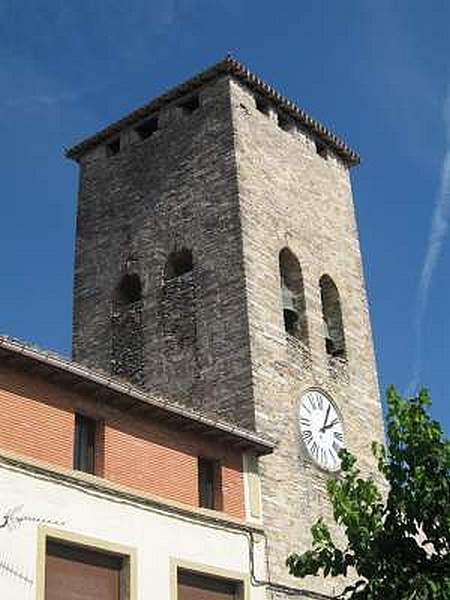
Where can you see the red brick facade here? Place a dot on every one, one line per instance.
(37, 419)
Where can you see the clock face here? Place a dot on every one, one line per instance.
(321, 429)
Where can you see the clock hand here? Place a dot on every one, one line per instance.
(326, 419)
(333, 422)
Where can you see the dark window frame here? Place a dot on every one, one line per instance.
(209, 483)
(85, 444)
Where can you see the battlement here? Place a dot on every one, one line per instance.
(186, 99)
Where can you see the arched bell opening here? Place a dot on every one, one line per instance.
(127, 344)
(333, 328)
(293, 296)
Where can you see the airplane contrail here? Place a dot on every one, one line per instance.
(438, 231)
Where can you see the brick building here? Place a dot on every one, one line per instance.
(222, 356)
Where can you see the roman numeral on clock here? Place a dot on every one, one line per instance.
(307, 434)
(323, 456)
(319, 400)
(333, 457)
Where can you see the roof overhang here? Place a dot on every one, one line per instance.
(126, 396)
(232, 67)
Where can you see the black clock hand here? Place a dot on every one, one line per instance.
(330, 425)
(326, 419)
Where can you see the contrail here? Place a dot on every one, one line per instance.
(438, 232)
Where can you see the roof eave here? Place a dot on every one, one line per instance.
(71, 372)
(229, 66)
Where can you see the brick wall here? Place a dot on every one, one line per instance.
(37, 420)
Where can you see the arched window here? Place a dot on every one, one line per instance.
(127, 331)
(293, 296)
(179, 263)
(332, 318)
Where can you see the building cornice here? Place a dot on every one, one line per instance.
(92, 483)
(125, 395)
(233, 68)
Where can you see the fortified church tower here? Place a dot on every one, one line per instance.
(218, 265)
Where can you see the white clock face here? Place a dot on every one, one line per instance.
(321, 429)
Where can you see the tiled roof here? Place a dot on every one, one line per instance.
(67, 372)
(232, 67)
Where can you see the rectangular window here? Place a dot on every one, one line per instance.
(321, 149)
(262, 105)
(209, 484)
(73, 572)
(197, 586)
(283, 121)
(147, 128)
(113, 147)
(85, 444)
(190, 105)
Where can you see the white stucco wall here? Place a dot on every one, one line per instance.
(157, 537)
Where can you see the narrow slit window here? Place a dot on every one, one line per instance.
(283, 122)
(321, 149)
(113, 147)
(85, 444)
(190, 105)
(209, 484)
(262, 105)
(147, 128)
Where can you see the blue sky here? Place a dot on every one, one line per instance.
(377, 73)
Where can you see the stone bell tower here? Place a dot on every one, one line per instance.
(218, 265)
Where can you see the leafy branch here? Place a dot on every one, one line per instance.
(399, 546)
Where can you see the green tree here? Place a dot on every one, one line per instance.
(398, 543)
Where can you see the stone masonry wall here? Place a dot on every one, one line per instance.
(290, 196)
(127, 347)
(235, 186)
(176, 189)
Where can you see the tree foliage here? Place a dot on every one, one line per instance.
(398, 543)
